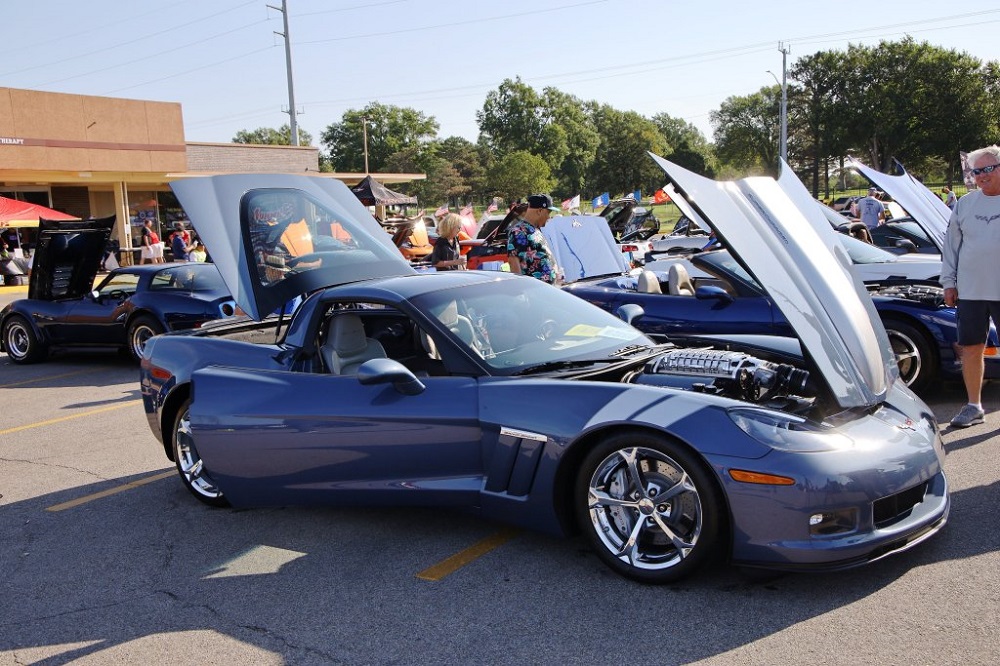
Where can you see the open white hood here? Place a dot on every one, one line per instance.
(765, 225)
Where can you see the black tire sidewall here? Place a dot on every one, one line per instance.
(708, 493)
(141, 320)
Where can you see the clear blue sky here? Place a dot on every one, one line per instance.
(222, 61)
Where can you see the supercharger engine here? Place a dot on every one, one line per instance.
(731, 373)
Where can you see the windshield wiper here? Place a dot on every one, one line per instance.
(562, 365)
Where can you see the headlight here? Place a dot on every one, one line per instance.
(786, 432)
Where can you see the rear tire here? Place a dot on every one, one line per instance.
(139, 331)
(190, 466)
(20, 341)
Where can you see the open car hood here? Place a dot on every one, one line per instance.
(67, 257)
(925, 207)
(584, 247)
(767, 227)
(277, 236)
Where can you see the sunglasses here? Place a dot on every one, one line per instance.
(985, 169)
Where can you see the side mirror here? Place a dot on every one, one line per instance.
(710, 292)
(907, 245)
(95, 296)
(387, 371)
(629, 312)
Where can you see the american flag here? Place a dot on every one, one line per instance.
(493, 207)
(443, 210)
(467, 211)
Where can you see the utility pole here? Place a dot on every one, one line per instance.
(293, 124)
(783, 149)
(364, 134)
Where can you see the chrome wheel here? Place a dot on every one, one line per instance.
(189, 463)
(19, 339)
(139, 332)
(913, 354)
(649, 508)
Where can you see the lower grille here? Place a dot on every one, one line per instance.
(893, 508)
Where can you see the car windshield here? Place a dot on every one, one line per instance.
(188, 278)
(865, 253)
(516, 324)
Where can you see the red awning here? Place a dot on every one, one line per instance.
(16, 213)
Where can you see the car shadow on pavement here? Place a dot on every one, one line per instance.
(149, 568)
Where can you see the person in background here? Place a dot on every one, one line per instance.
(178, 245)
(198, 252)
(149, 243)
(969, 277)
(447, 254)
(870, 210)
(949, 197)
(527, 251)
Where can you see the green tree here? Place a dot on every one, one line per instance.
(390, 129)
(518, 174)
(621, 164)
(443, 181)
(686, 145)
(467, 159)
(570, 115)
(272, 137)
(746, 132)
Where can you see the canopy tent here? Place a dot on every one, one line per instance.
(17, 214)
(373, 193)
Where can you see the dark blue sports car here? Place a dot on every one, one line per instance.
(131, 304)
(502, 395)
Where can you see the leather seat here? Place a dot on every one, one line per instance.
(648, 283)
(679, 282)
(347, 347)
(460, 325)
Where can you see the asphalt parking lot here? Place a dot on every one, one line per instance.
(107, 559)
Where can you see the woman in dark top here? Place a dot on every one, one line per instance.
(447, 255)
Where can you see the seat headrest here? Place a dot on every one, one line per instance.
(449, 315)
(648, 283)
(347, 334)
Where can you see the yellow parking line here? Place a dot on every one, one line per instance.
(473, 552)
(110, 491)
(60, 419)
(47, 377)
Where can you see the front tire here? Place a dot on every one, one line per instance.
(139, 332)
(21, 342)
(648, 507)
(190, 466)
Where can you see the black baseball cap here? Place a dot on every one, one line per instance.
(542, 201)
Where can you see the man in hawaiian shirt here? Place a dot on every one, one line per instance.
(527, 251)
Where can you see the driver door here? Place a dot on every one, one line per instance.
(276, 438)
(101, 321)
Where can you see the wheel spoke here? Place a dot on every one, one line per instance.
(683, 547)
(682, 486)
(631, 458)
(599, 498)
(630, 547)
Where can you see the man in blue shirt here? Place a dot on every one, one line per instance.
(870, 210)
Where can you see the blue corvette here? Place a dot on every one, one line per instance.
(711, 293)
(65, 310)
(502, 395)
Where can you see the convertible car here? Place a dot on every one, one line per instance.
(502, 395)
(130, 305)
